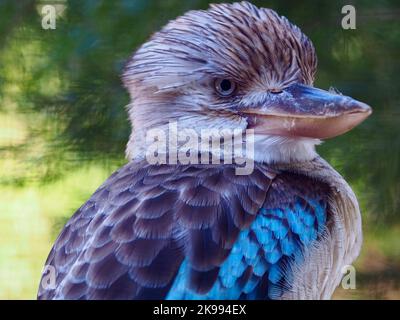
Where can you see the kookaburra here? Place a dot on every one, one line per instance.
(199, 230)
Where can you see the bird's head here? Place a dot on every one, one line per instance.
(236, 66)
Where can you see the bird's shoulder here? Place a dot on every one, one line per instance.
(145, 213)
(293, 217)
(322, 212)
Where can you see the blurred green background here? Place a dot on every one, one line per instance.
(63, 125)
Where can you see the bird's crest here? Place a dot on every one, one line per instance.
(254, 46)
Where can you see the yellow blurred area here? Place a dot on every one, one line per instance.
(32, 214)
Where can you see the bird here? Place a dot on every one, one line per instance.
(188, 231)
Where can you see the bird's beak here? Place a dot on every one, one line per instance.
(304, 111)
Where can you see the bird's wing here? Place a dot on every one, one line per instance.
(294, 219)
(130, 239)
(291, 221)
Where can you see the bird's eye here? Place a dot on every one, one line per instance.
(225, 87)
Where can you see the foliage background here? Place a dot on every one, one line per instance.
(63, 126)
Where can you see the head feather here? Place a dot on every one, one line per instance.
(254, 46)
(170, 77)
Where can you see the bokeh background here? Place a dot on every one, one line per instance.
(63, 124)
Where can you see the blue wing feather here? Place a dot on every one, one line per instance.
(283, 229)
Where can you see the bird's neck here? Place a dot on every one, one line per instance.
(148, 115)
(271, 149)
(257, 148)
